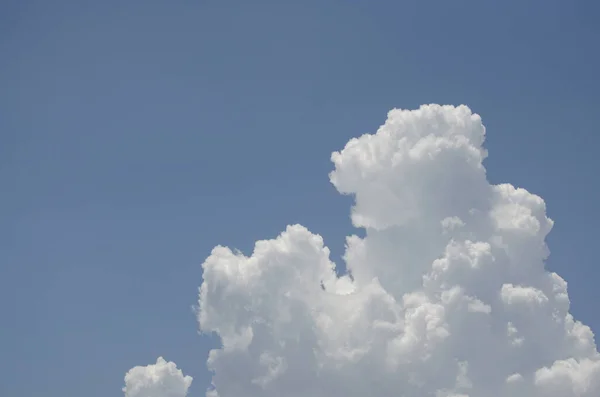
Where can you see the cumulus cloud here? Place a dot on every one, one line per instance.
(446, 295)
(162, 379)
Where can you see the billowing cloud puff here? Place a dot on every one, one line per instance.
(446, 295)
(162, 379)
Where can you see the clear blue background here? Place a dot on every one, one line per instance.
(136, 135)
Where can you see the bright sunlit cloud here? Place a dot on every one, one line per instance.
(446, 295)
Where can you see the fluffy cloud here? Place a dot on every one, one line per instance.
(162, 379)
(446, 295)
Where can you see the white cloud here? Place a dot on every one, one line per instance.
(448, 295)
(162, 379)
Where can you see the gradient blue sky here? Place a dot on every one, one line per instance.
(136, 135)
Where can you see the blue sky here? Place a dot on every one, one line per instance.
(135, 136)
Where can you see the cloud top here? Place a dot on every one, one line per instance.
(162, 379)
(446, 295)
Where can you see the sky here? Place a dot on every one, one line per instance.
(137, 136)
